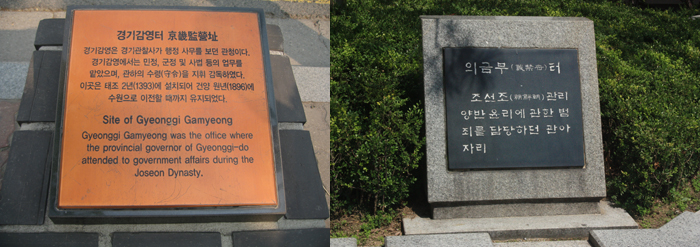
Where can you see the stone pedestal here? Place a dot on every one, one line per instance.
(511, 192)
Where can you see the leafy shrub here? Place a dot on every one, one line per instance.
(375, 128)
(648, 63)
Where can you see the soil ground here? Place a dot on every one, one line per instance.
(664, 211)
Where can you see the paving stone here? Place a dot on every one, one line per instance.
(687, 221)
(275, 41)
(166, 239)
(318, 118)
(304, 192)
(49, 33)
(304, 45)
(12, 78)
(684, 230)
(640, 237)
(41, 88)
(25, 185)
(17, 34)
(314, 83)
(291, 238)
(575, 243)
(289, 107)
(462, 239)
(343, 242)
(49, 239)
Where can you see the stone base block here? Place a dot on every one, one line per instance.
(166, 239)
(684, 230)
(501, 228)
(568, 243)
(293, 238)
(515, 210)
(57, 239)
(343, 242)
(464, 239)
(642, 237)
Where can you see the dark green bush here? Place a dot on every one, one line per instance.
(375, 127)
(648, 63)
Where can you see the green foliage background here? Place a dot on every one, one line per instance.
(648, 64)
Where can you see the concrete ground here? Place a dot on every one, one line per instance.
(305, 27)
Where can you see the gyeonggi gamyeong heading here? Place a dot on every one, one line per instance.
(173, 121)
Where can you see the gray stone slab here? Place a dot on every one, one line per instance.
(304, 42)
(49, 239)
(25, 184)
(574, 243)
(314, 83)
(447, 187)
(687, 221)
(288, 224)
(318, 124)
(515, 210)
(558, 226)
(12, 79)
(17, 33)
(642, 237)
(275, 41)
(166, 239)
(300, 237)
(462, 239)
(304, 192)
(343, 242)
(289, 107)
(49, 33)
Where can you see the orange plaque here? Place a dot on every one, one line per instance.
(166, 108)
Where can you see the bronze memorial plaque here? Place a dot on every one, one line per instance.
(166, 108)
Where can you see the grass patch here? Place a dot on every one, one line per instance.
(369, 230)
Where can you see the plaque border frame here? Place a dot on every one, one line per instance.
(169, 214)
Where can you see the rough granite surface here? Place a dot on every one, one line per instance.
(462, 239)
(343, 242)
(502, 228)
(684, 230)
(445, 186)
(515, 210)
(573, 243)
(686, 220)
(644, 237)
